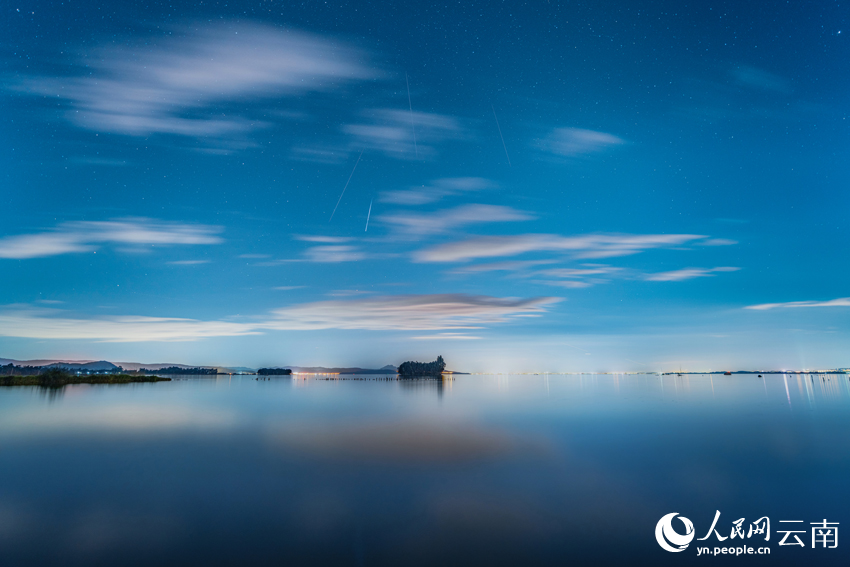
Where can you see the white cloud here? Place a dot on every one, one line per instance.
(718, 242)
(407, 312)
(334, 254)
(87, 236)
(573, 142)
(451, 219)
(447, 337)
(576, 278)
(391, 132)
(687, 274)
(569, 284)
(438, 189)
(324, 239)
(153, 87)
(589, 245)
(579, 272)
(38, 324)
(449, 312)
(516, 266)
(840, 302)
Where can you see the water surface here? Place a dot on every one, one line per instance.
(494, 469)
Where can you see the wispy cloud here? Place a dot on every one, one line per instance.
(596, 270)
(420, 224)
(687, 274)
(574, 142)
(324, 239)
(40, 324)
(447, 337)
(569, 284)
(98, 161)
(320, 154)
(576, 278)
(347, 292)
(840, 302)
(754, 77)
(435, 191)
(515, 266)
(449, 312)
(334, 254)
(88, 236)
(585, 246)
(169, 86)
(391, 132)
(188, 262)
(408, 312)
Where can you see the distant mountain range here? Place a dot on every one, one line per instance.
(388, 369)
(102, 365)
(92, 365)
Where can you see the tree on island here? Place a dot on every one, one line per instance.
(274, 371)
(411, 368)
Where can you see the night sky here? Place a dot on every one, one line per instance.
(559, 186)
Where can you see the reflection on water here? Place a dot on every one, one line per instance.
(497, 469)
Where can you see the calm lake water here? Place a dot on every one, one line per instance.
(495, 470)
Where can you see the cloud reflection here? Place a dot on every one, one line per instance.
(404, 442)
(113, 419)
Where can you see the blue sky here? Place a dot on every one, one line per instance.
(548, 186)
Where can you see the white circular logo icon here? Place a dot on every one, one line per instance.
(670, 539)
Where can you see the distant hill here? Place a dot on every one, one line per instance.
(98, 366)
(91, 365)
(41, 362)
(101, 365)
(157, 366)
(388, 369)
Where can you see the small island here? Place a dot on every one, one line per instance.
(274, 372)
(411, 369)
(56, 378)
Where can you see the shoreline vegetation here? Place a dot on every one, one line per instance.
(55, 378)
